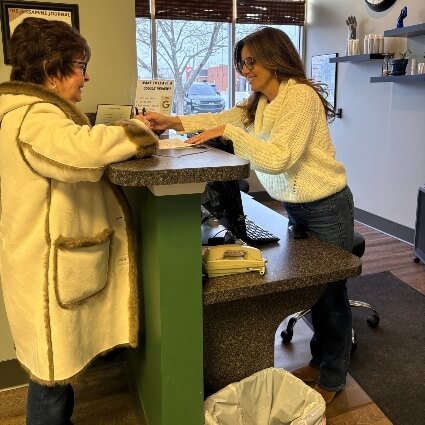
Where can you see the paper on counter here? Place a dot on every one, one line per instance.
(173, 144)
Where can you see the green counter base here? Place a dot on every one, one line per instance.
(167, 366)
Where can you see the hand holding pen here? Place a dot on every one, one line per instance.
(141, 117)
(161, 122)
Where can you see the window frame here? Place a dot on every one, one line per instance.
(190, 10)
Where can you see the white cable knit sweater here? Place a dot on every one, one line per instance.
(289, 145)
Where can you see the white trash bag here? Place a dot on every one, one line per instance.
(269, 397)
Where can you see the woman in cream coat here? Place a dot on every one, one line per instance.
(66, 249)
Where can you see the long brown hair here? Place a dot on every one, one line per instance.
(275, 51)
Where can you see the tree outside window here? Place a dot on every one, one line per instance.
(193, 52)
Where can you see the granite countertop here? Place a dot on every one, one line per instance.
(179, 166)
(292, 264)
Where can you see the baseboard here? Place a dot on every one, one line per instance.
(389, 227)
(12, 374)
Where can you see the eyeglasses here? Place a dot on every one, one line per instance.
(249, 62)
(82, 66)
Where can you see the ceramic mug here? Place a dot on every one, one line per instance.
(413, 66)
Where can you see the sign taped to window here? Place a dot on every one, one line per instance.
(154, 95)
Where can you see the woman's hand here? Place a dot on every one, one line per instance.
(160, 122)
(206, 135)
(144, 120)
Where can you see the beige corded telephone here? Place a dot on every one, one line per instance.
(227, 259)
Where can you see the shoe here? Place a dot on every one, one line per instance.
(307, 374)
(328, 396)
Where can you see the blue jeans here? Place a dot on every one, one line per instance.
(330, 219)
(49, 405)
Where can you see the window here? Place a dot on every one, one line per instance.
(194, 41)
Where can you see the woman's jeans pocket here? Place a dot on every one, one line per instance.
(81, 267)
(330, 219)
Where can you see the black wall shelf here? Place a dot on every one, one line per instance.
(399, 79)
(410, 31)
(357, 58)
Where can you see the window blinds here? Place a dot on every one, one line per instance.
(270, 12)
(189, 10)
(291, 12)
(142, 9)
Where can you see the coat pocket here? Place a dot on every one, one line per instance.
(81, 267)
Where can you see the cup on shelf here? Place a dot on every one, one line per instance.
(355, 46)
(413, 66)
(421, 68)
(375, 43)
(352, 47)
(370, 44)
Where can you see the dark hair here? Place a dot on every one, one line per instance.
(275, 51)
(40, 48)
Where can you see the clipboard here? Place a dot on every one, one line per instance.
(108, 113)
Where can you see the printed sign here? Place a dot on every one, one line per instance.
(154, 95)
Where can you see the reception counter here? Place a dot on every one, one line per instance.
(164, 192)
(196, 338)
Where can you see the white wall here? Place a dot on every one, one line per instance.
(109, 27)
(381, 137)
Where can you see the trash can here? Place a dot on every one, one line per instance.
(269, 397)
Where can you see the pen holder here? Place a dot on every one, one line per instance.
(352, 47)
(413, 66)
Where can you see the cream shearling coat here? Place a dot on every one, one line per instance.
(66, 250)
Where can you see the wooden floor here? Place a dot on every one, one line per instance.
(103, 396)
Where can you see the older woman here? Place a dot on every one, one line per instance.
(66, 252)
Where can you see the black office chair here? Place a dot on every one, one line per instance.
(244, 186)
(372, 320)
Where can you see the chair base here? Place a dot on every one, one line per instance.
(372, 321)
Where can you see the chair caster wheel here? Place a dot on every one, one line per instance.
(373, 321)
(286, 336)
(288, 333)
(417, 260)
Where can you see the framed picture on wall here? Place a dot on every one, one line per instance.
(14, 12)
(325, 72)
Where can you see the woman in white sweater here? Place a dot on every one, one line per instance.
(282, 129)
(66, 248)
